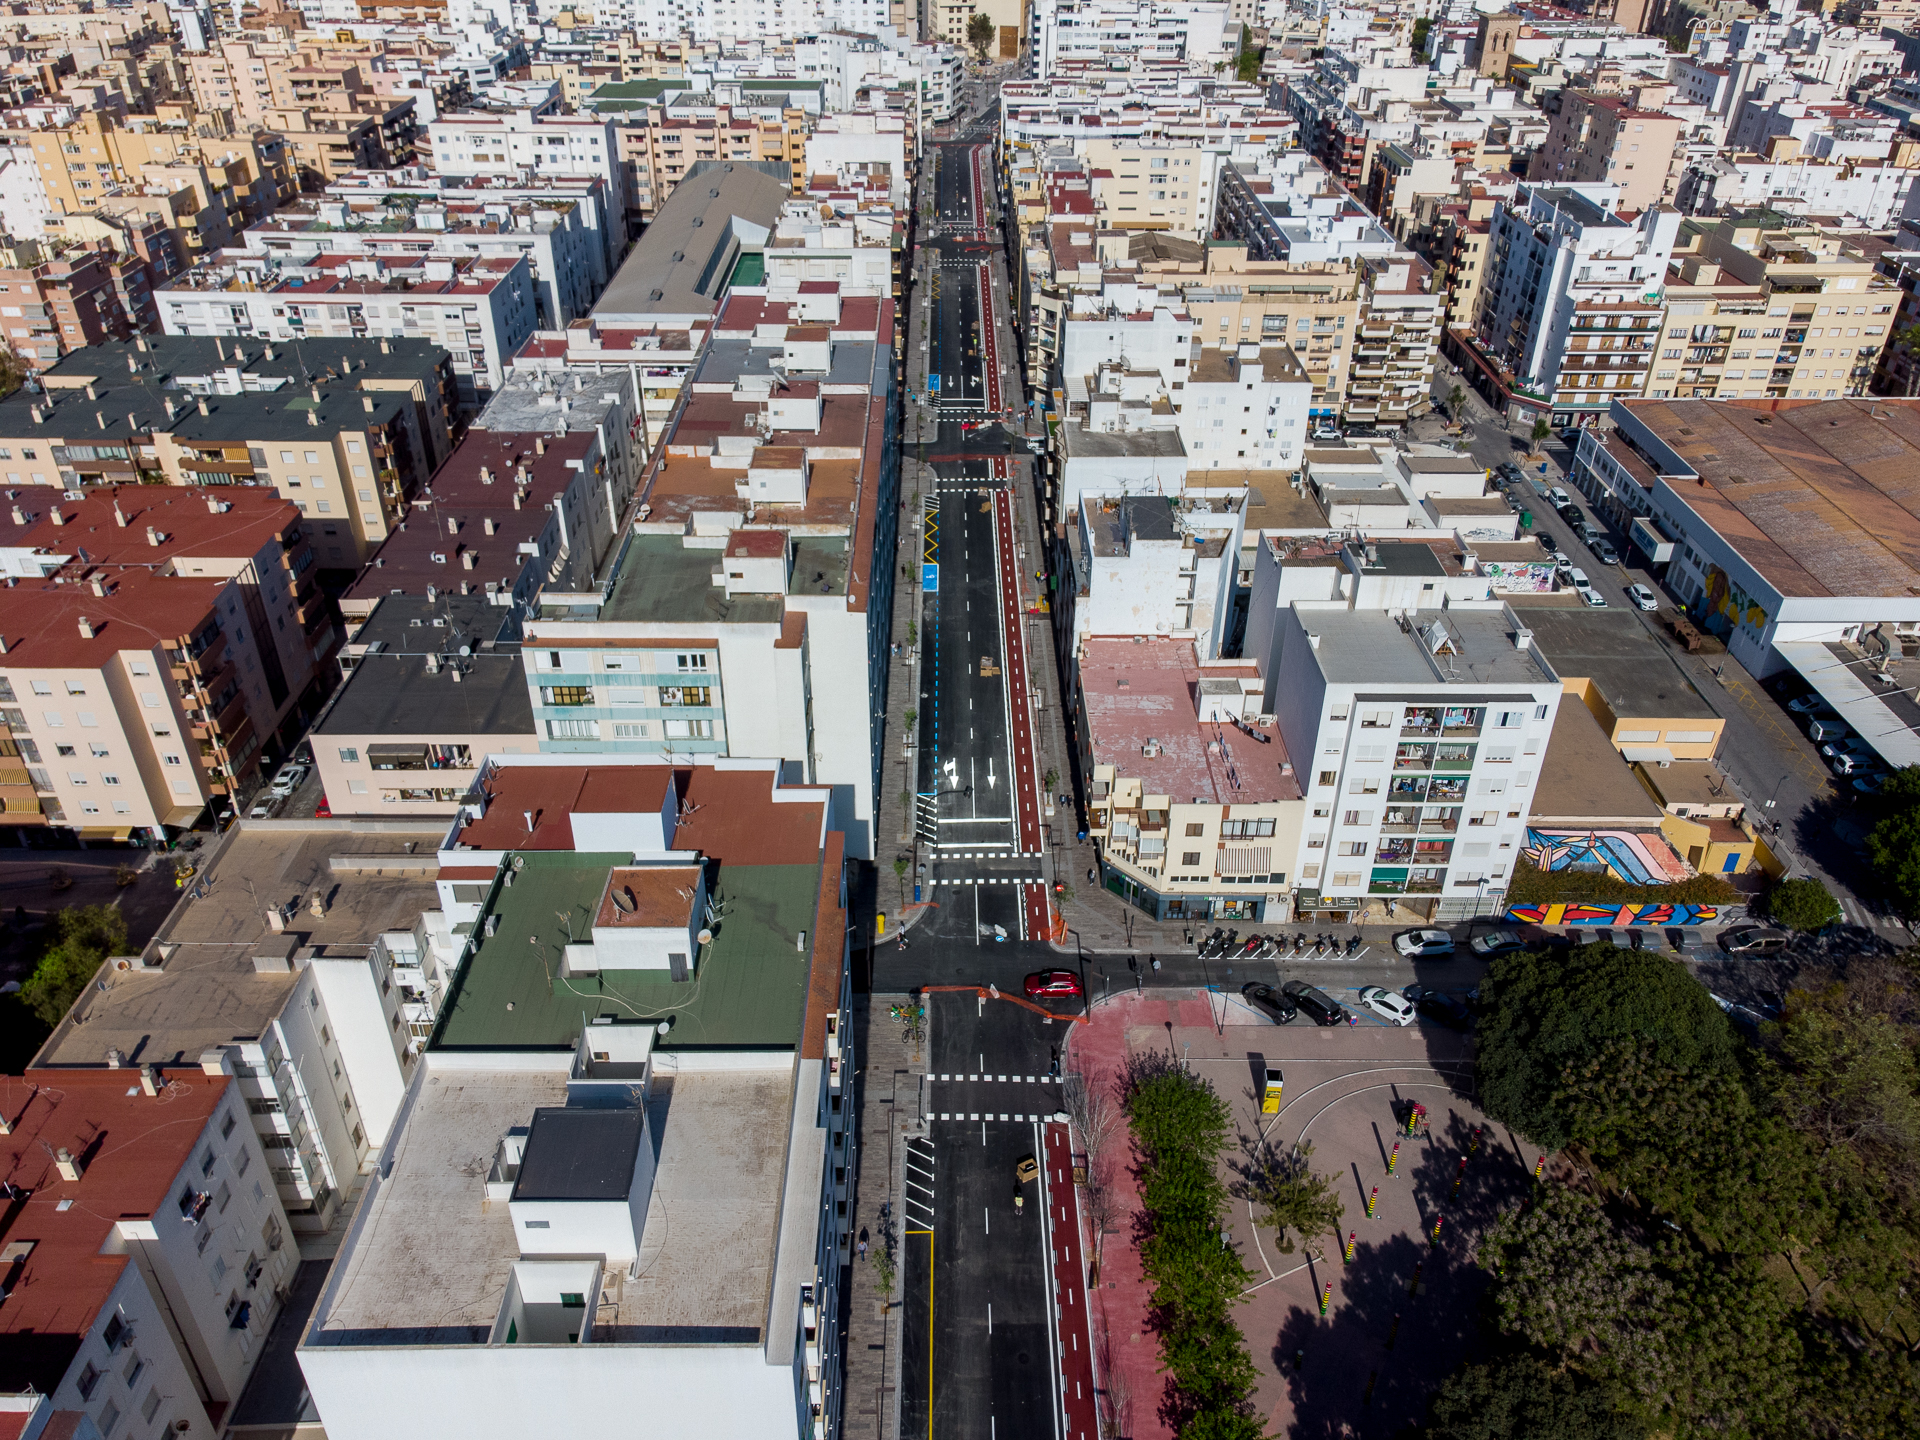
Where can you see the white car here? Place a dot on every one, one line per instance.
(1642, 597)
(289, 778)
(1573, 575)
(1594, 598)
(1557, 497)
(1393, 1008)
(1420, 944)
(264, 807)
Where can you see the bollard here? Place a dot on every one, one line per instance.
(1540, 1168)
(1393, 1331)
(1414, 1287)
(1326, 1297)
(1367, 1399)
(1352, 1238)
(1394, 1158)
(1373, 1200)
(1438, 1221)
(1473, 1148)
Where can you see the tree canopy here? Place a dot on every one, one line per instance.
(981, 33)
(1802, 905)
(84, 936)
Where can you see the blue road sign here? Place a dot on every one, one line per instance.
(933, 382)
(930, 578)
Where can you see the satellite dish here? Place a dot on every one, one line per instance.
(623, 901)
(465, 651)
(664, 1026)
(519, 862)
(705, 937)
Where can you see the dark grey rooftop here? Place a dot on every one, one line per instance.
(391, 692)
(580, 1154)
(1576, 206)
(1613, 649)
(1404, 558)
(681, 264)
(662, 580)
(269, 399)
(728, 359)
(1116, 522)
(1084, 444)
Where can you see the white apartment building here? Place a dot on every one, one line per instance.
(316, 998)
(765, 22)
(481, 308)
(1571, 303)
(1102, 333)
(511, 144)
(1244, 408)
(1152, 565)
(1071, 34)
(1418, 735)
(145, 1240)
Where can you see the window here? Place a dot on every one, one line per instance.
(106, 779)
(689, 729)
(115, 1332)
(99, 751)
(41, 687)
(1329, 777)
(1353, 847)
(573, 729)
(566, 695)
(109, 1417)
(152, 1405)
(66, 750)
(227, 1123)
(87, 722)
(1196, 829)
(629, 730)
(172, 759)
(686, 695)
(690, 662)
(89, 1379)
(74, 687)
(1190, 857)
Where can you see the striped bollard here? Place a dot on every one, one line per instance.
(1367, 1399)
(1393, 1331)
(1438, 1221)
(1353, 1237)
(1373, 1200)
(1473, 1147)
(1394, 1158)
(1326, 1297)
(1413, 1288)
(1540, 1167)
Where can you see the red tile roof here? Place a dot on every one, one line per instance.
(134, 1146)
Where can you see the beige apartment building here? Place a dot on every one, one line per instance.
(1153, 185)
(1768, 307)
(155, 640)
(204, 190)
(655, 150)
(1606, 138)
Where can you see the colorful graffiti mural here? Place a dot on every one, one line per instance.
(1636, 856)
(1724, 600)
(1530, 577)
(1562, 913)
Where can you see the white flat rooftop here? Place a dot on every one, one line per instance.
(430, 1259)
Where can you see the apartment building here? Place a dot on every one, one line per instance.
(621, 1226)
(1150, 565)
(1244, 407)
(786, 491)
(1072, 35)
(303, 975)
(51, 306)
(1805, 307)
(659, 147)
(1421, 735)
(160, 642)
(479, 308)
(204, 190)
(1606, 139)
(347, 447)
(1153, 185)
(510, 145)
(1571, 305)
(654, 357)
(147, 1249)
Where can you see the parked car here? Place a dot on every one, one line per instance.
(1572, 575)
(1320, 1007)
(264, 807)
(1389, 1005)
(1754, 940)
(1547, 543)
(1603, 550)
(1844, 764)
(1643, 598)
(1852, 745)
(1269, 1002)
(1443, 1007)
(1509, 472)
(1494, 943)
(1868, 784)
(1557, 497)
(1325, 432)
(1594, 598)
(289, 778)
(1809, 705)
(1823, 728)
(1052, 985)
(323, 811)
(1421, 944)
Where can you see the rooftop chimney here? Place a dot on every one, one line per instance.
(218, 348)
(149, 1080)
(119, 515)
(453, 525)
(55, 516)
(269, 352)
(1523, 639)
(133, 366)
(101, 417)
(169, 405)
(516, 501)
(366, 403)
(203, 405)
(315, 391)
(86, 628)
(470, 559)
(539, 445)
(486, 524)
(70, 1166)
(100, 586)
(20, 517)
(38, 416)
(385, 349)
(313, 418)
(486, 476)
(91, 395)
(153, 536)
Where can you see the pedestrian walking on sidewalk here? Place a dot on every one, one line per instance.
(863, 1249)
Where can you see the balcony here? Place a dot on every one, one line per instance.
(1413, 757)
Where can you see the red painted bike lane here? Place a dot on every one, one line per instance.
(1025, 780)
(1070, 1289)
(989, 341)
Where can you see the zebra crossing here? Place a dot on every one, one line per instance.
(987, 880)
(991, 1079)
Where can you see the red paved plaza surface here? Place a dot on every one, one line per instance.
(1403, 1311)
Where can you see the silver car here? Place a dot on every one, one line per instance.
(1642, 597)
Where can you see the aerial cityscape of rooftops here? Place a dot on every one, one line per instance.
(596, 804)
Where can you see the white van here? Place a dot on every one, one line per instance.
(1577, 578)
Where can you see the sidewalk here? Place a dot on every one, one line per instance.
(885, 1098)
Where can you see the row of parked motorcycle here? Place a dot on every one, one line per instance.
(1227, 945)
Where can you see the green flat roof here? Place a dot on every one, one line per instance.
(749, 988)
(662, 580)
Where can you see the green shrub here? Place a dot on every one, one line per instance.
(1530, 886)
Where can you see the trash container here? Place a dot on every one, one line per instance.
(1526, 519)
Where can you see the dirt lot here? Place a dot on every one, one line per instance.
(1402, 1311)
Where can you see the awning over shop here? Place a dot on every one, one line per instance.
(1249, 860)
(1841, 679)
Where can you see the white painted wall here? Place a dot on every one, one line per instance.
(370, 1045)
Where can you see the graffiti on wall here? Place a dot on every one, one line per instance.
(1527, 577)
(1726, 601)
(1562, 913)
(1635, 856)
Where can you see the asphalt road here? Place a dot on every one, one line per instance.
(977, 1336)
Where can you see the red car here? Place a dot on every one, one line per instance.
(323, 811)
(1053, 984)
